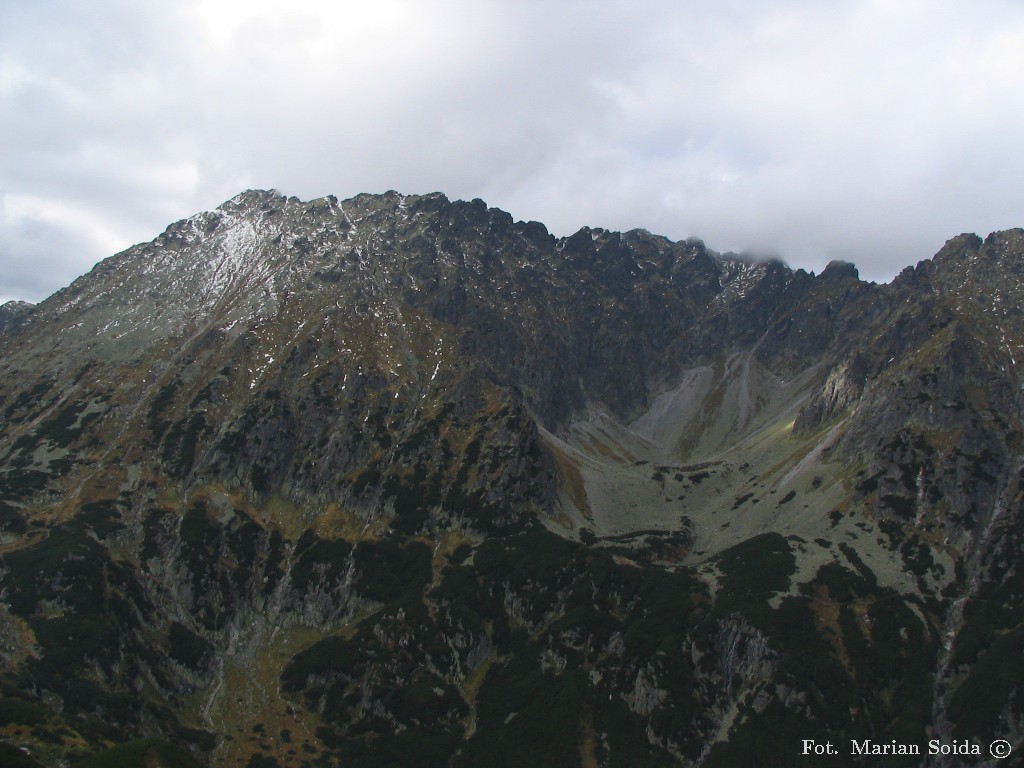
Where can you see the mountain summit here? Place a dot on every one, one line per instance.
(398, 480)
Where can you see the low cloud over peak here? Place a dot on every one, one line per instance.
(863, 131)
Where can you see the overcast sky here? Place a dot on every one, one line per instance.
(868, 131)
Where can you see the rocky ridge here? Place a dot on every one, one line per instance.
(397, 476)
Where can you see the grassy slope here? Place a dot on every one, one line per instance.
(713, 453)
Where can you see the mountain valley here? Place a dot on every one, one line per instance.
(400, 481)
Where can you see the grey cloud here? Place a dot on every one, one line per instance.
(866, 131)
(38, 258)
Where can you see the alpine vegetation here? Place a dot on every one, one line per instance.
(399, 481)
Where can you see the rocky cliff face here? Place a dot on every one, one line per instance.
(398, 480)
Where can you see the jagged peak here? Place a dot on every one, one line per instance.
(1006, 241)
(956, 248)
(967, 254)
(252, 197)
(837, 269)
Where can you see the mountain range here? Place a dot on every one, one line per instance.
(398, 481)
